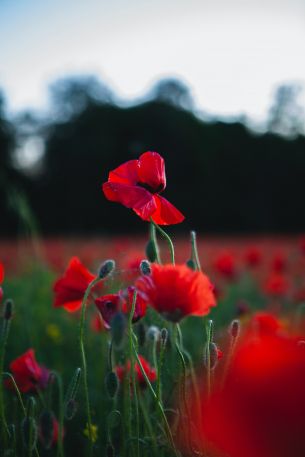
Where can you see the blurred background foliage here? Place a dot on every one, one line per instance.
(223, 175)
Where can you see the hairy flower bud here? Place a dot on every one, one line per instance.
(234, 329)
(145, 267)
(8, 309)
(164, 336)
(46, 428)
(71, 409)
(213, 354)
(151, 251)
(106, 268)
(191, 264)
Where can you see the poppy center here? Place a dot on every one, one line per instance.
(152, 190)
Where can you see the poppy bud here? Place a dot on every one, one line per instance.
(106, 268)
(29, 433)
(151, 251)
(164, 336)
(118, 327)
(234, 329)
(214, 355)
(153, 333)
(8, 309)
(46, 428)
(112, 384)
(145, 267)
(191, 264)
(70, 409)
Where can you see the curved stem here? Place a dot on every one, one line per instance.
(158, 403)
(168, 239)
(132, 367)
(195, 255)
(60, 450)
(84, 362)
(153, 238)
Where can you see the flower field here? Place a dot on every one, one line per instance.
(151, 345)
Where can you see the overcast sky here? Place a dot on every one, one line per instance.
(231, 53)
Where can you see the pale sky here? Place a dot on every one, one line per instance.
(231, 53)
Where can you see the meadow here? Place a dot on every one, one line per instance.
(254, 276)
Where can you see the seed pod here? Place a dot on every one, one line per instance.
(191, 264)
(118, 325)
(106, 268)
(234, 329)
(112, 384)
(145, 267)
(213, 356)
(151, 251)
(164, 336)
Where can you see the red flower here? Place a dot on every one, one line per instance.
(122, 371)
(225, 265)
(253, 256)
(97, 324)
(259, 411)
(176, 291)
(279, 262)
(27, 373)
(276, 285)
(70, 289)
(265, 323)
(110, 304)
(1, 280)
(137, 185)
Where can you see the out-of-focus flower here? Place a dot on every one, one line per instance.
(131, 266)
(97, 324)
(94, 432)
(53, 331)
(70, 289)
(279, 262)
(48, 430)
(264, 323)
(1, 280)
(276, 285)
(259, 410)
(28, 374)
(150, 372)
(253, 256)
(137, 184)
(110, 304)
(225, 265)
(176, 291)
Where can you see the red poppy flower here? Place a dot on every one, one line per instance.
(279, 262)
(253, 256)
(137, 185)
(259, 410)
(265, 323)
(97, 324)
(176, 291)
(276, 285)
(110, 304)
(1, 280)
(70, 289)
(28, 374)
(122, 371)
(225, 265)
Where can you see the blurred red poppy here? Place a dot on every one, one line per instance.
(176, 291)
(259, 410)
(276, 285)
(123, 370)
(253, 256)
(28, 374)
(70, 289)
(110, 304)
(137, 184)
(225, 265)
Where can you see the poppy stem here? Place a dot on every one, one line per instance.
(209, 333)
(153, 239)
(195, 256)
(132, 367)
(168, 239)
(60, 450)
(84, 362)
(160, 407)
(3, 342)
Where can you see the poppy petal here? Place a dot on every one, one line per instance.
(137, 198)
(166, 213)
(152, 171)
(127, 173)
(1, 273)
